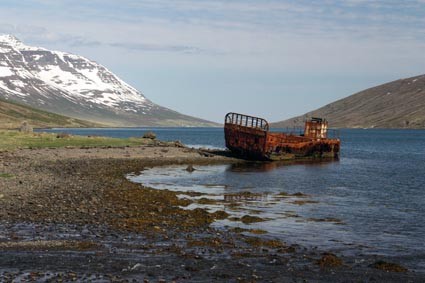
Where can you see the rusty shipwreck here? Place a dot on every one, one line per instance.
(250, 137)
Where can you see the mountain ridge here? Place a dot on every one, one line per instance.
(396, 104)
(77, 87)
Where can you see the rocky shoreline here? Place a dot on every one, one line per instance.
(70, 214)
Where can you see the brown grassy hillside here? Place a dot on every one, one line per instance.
(13, 114)
(398, 104)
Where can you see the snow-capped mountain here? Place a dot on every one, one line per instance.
(72, 85)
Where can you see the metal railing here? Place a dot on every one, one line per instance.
(246, 121)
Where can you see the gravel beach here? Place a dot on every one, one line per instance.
(69, 214)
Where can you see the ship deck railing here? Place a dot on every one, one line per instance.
(247, 121)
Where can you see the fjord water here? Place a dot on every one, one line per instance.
(371, 201)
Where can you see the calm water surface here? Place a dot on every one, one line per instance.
(371, 201)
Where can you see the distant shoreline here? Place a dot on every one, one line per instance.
(157, 127)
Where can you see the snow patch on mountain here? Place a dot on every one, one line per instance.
(5, 72)
(83, 80)
(15, 43)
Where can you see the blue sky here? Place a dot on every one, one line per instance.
(274, 59)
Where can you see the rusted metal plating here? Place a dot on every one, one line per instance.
(250, 138)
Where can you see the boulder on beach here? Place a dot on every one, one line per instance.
(25, 127)
(149, 135)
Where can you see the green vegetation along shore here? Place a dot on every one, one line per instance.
(10, 139)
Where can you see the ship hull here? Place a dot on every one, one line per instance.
(257, 143)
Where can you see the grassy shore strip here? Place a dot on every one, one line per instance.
(10, 140)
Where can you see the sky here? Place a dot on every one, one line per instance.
(270, 58)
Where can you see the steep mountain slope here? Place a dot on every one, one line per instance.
(398, 104)
(13, 114)
(74, 86)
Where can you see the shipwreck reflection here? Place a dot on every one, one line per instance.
(273, 165)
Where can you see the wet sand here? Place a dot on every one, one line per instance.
(70, 214)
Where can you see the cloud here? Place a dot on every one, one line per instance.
(40, 35)
(270, 34)
(21, 29)
(80, 41)
(182, 26)
(261, 32)
(157, 48)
